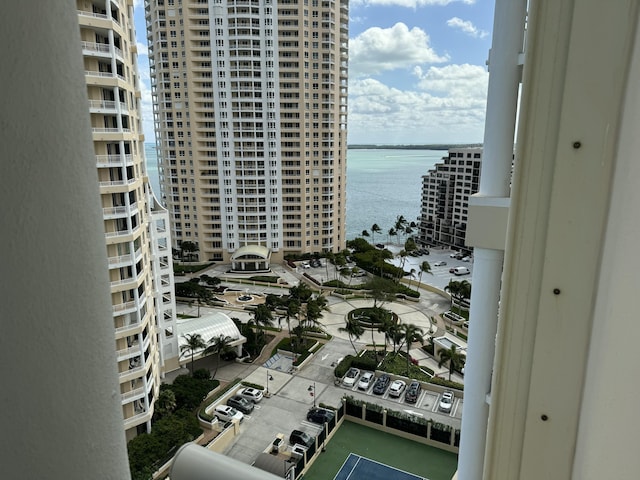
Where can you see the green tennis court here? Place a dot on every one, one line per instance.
(412, 457)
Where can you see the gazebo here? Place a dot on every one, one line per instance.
(251, 258)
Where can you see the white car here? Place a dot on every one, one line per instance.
(396, 388)
(446, 402)
(365, 380)
(226, 413)
(350, 377)
(252, 394)
(439, 264)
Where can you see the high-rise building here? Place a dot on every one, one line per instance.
(250, 112)
(136, 227)
(445, 197)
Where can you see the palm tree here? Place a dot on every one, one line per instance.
(402, 254)
(411, 333)
(425, 267)
(375, 228)
(194, 343)
(166, 403)
(219, 345)
(262, 317)
(392, 233)
(458, 291)
(365, 233)
(293, 309)
(453, 356)
(354, 330)
(189, 247)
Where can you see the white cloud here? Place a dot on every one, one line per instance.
(409, 3)
(457, 81)
(376, 50)
(142, 48)
(466, 27)
(447, 105)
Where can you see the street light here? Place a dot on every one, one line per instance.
(269, 377)
(312, 392)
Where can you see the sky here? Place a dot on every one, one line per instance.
(417, 71)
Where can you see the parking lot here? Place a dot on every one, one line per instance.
(287, 408)
(427, 402)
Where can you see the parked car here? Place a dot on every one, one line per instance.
(365, 380)
(227, 413)
(252, 394)
(240, 403)
(466, 259)
(396, 388)
(439, 264)
(350, 377)
(381, 384)
(446, 402)
(320, 415)
(413, 392)
(460, 271)
(298, 437)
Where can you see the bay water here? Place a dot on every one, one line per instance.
(381, 184)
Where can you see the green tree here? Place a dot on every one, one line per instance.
(459, 290)
(411, 333)
(194, 343)
(165, 403)
(392, 233)
(375, 228)
(402, 254)
(382, 290)
(453, 356)
(189, 247)
(219, 345)
(293, 309)
(262, 317)
(425, 267)
(300, 292)
(354, 330)
(365, 233)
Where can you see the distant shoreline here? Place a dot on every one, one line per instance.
(438, 146)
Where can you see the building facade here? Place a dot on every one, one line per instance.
(136, 226)
(445, 197)
(250, 112)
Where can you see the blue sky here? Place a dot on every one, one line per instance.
(417, 70)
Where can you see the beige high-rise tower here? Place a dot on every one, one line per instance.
(250, 111)
(136, 226)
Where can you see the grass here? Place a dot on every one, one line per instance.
(413, 457)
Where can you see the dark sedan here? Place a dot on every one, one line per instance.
(413, 392)
(320, 415)
(381, 384)
(240, 403)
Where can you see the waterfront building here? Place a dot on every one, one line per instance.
(445, 198)
(250, 113)
(136, 226)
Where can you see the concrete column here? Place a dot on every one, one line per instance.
(502, 102)
(60, 402)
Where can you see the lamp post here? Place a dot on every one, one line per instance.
(312, 392)
(269, 377)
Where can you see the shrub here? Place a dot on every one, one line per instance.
(149, 451)
(446, 383)
(190, 391)
(343, 366)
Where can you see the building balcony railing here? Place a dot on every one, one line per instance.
(120, 260)
(122, 308)
(138, 419)
(128, 397)
(107, 105)
(113, 160)
(94, 73)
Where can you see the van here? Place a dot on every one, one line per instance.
(461, 271)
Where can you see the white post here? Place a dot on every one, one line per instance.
(502, 101)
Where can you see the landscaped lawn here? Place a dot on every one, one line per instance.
(428, 462)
